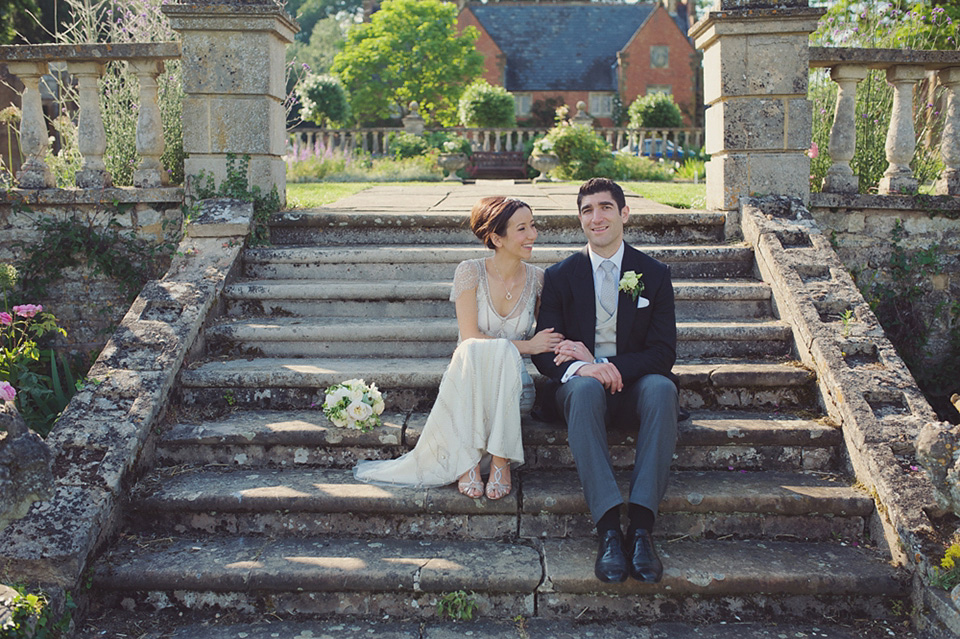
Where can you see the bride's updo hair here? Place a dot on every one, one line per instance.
(490, 215)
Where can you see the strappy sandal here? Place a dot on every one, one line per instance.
(472, 487)
(496, 487)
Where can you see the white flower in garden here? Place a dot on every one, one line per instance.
(358, 411)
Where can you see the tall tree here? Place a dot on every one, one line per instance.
(410, 50)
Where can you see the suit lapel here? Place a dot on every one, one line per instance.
(583, 292)
(626, 305)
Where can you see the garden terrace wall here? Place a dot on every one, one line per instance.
(861, 228)
(89, 305)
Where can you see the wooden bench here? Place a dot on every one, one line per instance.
(498, 164)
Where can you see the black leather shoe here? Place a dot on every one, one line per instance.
(645, 565)
(611, 564)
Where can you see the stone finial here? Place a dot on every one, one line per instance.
(26, 473)
(938, 450)
(413, 122)
(582, 117)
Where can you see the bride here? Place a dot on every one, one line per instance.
(486, 387)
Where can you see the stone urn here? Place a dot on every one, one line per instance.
(452, 162)
(543, 162)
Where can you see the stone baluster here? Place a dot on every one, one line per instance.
(150, 143)
(949, 182)
(486, 140)
(901, 137)
(91, 138)
(34, 141)
(843, 133)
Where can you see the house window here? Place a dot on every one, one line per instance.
(601, 104)
(659, 88)
(659, 57)
(522, 103)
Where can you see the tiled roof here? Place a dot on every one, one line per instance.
(571, 47)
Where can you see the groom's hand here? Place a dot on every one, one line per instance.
(607, 374)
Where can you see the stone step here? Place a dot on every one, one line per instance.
(411, 383)
(708, 440)
(413, 263)
(552, 579)
(437, 337)
(333, 226)
(114, 623)
(711, 299)
(321, 501)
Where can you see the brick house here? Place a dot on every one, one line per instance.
(589, 52)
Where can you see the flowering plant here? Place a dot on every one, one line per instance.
(353, 404)
(631, 283)
(451, 146)
(543, 145)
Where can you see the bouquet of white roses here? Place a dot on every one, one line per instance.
(353, 404)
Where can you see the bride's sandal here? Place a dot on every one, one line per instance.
(470, 484)
(496, 487)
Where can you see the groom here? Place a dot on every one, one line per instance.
(613, 369)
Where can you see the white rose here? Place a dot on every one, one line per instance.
(340, 421)
(355, 395)
(358, 411)
(378, 406)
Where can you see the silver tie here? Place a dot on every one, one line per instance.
(608, 287)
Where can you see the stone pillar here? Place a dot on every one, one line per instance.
(582, 118)
(413, 122)
(949, 182)
(759, 122)
(234, 85)
(34, 141)
(150, 143)
(91, 138)
(901, 136)
(843, 133)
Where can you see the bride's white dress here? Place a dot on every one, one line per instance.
(482, 394)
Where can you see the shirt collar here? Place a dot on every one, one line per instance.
(596, 260)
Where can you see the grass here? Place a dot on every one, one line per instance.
(311, 194)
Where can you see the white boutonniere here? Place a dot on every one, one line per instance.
(632, 284)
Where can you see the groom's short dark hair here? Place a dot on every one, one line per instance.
(599, 185)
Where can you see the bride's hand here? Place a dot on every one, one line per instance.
(570, 351)
(546, 341)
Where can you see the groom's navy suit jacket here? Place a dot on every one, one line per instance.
(646, 337)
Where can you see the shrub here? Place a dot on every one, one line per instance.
(406, 145)
(655, 111)
(623, 166)
(579, 148)
(543, 113)
(323, 100)
(448, 142)
(484, 105)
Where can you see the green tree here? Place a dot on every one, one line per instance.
(487, 106)
(323, 100)
(310, 12)
(410, 50)
(655, 111)
(15, 19)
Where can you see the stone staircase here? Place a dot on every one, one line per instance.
(251, 507)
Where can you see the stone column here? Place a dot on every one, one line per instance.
(759, 122)
(34, 141)
(91, 138)
(901, 136)
(150, 143)
(234, 86)
(843, 133)
(949, 182)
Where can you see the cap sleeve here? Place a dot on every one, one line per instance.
(539, 274)
(466, 278)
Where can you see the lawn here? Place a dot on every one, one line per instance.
(307, 195)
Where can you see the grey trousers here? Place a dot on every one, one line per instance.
(651, 406)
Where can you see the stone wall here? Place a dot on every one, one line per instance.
(89, 305)
(860, 228)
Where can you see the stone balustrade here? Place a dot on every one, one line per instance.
(375, 140)
(86, 63)
(904, 68)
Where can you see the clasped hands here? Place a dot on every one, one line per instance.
(605, 373)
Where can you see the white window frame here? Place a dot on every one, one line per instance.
(601, 104)
(523, 103)
(659, 88)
